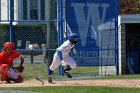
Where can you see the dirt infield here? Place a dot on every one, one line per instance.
(111, 82)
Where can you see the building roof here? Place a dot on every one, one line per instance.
(128, 18)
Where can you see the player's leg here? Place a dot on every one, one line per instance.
(3, 72)
(56, 62)
(71, 64)
(14, 76)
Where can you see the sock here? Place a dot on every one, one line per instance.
(49, 72)
(67, 69)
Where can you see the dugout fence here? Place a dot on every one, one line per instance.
(38, 27)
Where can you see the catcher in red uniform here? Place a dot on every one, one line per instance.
(7, 57)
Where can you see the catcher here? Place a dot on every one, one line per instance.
(7, 71)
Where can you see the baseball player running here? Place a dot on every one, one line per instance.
(62, 55)
(7, 57)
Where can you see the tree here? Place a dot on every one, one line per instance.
(129, 6)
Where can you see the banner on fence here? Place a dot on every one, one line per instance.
(95, 23)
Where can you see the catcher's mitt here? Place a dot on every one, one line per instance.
(19, 68)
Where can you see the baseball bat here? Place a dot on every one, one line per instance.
(39, 80)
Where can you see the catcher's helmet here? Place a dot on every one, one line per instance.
(73, 38)
(9, 46)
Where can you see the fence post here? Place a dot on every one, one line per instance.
(11, 21)
(60, 32)
(44, 52)
(32, 57)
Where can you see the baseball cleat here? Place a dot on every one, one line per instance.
(5, 82)
(49, 79)
(68, 74)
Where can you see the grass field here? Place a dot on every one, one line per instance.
(31, 70)
(77, 89)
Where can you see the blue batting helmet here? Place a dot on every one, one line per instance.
(73, 38)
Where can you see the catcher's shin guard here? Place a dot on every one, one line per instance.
(4, 75)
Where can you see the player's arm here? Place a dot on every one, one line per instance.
(19, 55)
(60, 49)
(20, 68)
(21, 60)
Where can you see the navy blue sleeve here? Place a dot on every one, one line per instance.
(59, 55)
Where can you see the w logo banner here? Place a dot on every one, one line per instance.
(95, 23)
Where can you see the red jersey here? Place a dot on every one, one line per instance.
(8, 58)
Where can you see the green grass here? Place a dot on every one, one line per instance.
(31, 70)
(77, 89)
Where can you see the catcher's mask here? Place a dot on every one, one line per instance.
(9, 46)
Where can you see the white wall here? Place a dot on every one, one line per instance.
(4, 10)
